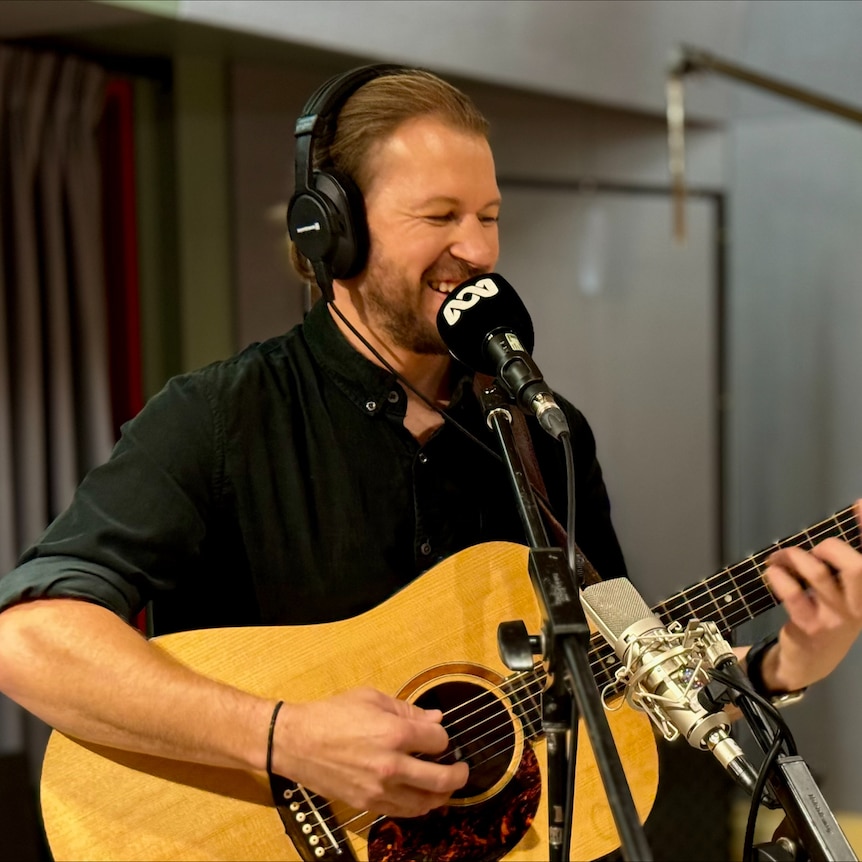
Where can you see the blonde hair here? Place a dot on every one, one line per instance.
(372, 114)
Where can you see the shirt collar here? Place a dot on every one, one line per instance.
(359, 378)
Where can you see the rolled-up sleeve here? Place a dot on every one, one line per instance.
(138, 519)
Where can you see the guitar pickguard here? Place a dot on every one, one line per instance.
(484, 832)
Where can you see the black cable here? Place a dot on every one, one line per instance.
(564, 438)
(782, 729)
(400, 377)
(759, 785)
(571, 547)
(782, 737)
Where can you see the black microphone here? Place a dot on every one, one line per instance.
(487, 327)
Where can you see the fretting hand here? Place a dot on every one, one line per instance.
(821, 590)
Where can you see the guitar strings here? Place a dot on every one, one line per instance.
(765, 601)
(743, 580)
(759, 605)
(807, 537)
(502, 721)
(529, 679)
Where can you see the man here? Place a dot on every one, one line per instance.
(301, 482)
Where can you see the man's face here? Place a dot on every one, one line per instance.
(432, 209)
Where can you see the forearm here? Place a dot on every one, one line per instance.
(117, 689)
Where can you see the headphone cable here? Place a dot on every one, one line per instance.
(447, 418)
(402, 379)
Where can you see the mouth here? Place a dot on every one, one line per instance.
(443, 287)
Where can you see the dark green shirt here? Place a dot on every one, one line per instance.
(281, 487)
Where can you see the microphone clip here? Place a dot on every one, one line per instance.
(664, 671)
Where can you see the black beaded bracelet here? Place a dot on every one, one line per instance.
(754, 670)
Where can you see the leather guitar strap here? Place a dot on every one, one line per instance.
(586, 574)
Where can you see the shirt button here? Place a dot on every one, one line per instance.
(423, 458)
(370, 406)
(392, 397)
(425, 548)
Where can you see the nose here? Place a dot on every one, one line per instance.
(476, 242)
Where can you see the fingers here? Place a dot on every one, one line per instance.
(826, 578)
(436, 778)
(406, 786)
(423, 784)
(359, 746)
(421, 732)
(845, 565)
(792, 572)
(410, 710)
(821, 590)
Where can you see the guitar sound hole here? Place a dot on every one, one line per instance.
(481, 732)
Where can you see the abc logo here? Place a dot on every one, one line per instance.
(467, 297)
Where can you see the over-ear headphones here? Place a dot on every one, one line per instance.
(326, 214)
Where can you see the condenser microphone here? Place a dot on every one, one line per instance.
(664, 669)
(487, 327)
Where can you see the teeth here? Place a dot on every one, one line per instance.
(444, 286)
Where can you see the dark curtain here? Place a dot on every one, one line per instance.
(69, 342)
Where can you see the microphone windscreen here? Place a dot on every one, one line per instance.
(477, 309)
(616, 603)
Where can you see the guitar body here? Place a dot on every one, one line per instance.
(99, 803)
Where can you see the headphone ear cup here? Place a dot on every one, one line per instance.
(310, 224)
(349, 232)
(327, 224)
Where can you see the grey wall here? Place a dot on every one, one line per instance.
(584, 49)
(795, 429)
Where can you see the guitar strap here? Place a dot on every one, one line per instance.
(586, 574)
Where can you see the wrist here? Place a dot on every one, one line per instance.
(761, 665)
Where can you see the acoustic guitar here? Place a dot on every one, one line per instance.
(433, 643)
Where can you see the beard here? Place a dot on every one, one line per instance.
(396, 305)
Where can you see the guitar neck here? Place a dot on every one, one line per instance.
(733, 595)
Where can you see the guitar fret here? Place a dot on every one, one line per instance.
(732, 596)
(603, 661)
(673, 608)
(739, 593)
(744, 576)
(717, 594)
(849, 531)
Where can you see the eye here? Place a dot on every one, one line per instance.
(489, 219)
(441, 218)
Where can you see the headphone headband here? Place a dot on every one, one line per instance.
(326, 214)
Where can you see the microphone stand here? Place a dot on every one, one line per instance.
(564, 645)
(810, 830)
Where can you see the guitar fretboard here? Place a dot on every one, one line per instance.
(732, 596)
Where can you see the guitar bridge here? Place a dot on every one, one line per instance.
(309, 822)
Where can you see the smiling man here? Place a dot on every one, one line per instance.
(432, 208)
(311, 477)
